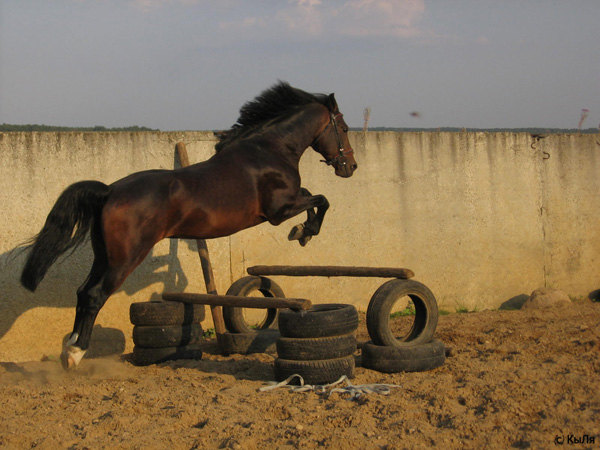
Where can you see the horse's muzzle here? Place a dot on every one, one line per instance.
(345, 169)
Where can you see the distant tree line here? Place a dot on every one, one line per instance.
(9, 127)
(491, 130)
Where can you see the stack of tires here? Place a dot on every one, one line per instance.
(318, 344)
(246, 336)
(166, 331)
(417, 350)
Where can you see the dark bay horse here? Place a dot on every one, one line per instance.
(252, 178)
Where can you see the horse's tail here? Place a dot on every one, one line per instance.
(66, 228)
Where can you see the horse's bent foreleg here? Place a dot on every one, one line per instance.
(307, 202)
(315, 220)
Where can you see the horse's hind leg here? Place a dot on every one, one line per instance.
(105, 278)
(90, 299)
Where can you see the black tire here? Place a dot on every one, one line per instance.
(234, 316)
(158, 336)
(246, 343)
(146, 356)
(316, 348)
(165, 313)
(321, 371)
(403, 359)
(331, 319)
(380, 306)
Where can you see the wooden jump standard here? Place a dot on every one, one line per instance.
(207, 272)
(331, 271)
(242, 302)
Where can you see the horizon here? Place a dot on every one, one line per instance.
(8, 128)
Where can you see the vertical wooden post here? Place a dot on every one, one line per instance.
(209, 279)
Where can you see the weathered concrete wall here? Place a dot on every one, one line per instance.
(479, 217)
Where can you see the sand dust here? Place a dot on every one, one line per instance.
(512, 379)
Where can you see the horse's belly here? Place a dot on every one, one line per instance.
(203, 225)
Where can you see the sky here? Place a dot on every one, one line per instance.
(191, 64)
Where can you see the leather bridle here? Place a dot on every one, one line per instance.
(340, 158)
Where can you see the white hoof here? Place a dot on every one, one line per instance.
(71, 356)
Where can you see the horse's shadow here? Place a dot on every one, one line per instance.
(251, 367)
(58, 289)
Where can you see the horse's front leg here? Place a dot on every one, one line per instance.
(305, 231)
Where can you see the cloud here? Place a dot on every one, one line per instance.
(305, 16)
(147, 5)
(383, 17)
(308, 19)
(246, 25)
(315, 18)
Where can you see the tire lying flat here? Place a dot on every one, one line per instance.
(332, 319)
(165, 313)
(145, 356)
(416, 358)
(316, 348)
(245, 343)
(321, 371)
(158, 336)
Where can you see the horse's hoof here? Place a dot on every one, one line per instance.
(304, 240)
(70, 357)
(296, 233)
(65, 361)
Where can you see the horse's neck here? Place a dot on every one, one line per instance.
(288, 137)
(304, 125)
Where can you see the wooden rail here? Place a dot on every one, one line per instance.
(331, 271)
(234, 300)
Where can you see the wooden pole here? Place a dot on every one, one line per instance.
(331, 271)
(209, 279)
(242, 302)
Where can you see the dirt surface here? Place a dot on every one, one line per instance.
(512, 379)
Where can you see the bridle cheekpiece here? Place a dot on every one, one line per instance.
(340, 158)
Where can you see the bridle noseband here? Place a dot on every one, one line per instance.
(340, 159)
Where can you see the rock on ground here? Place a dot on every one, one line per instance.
(546, 298)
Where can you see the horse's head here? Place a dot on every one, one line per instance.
(332, 141)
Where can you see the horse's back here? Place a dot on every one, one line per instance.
(209, 199)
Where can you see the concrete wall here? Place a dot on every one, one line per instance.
(480, 218)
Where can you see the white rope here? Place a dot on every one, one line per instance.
(355, 390)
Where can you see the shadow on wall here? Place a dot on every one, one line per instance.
(59, 287)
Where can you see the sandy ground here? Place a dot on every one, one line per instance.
(512, 379)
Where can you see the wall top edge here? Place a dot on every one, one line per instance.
(211, 134)
(100, 133)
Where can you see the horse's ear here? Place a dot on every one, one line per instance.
(331, 103)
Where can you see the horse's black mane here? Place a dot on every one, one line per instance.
(270, 104)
